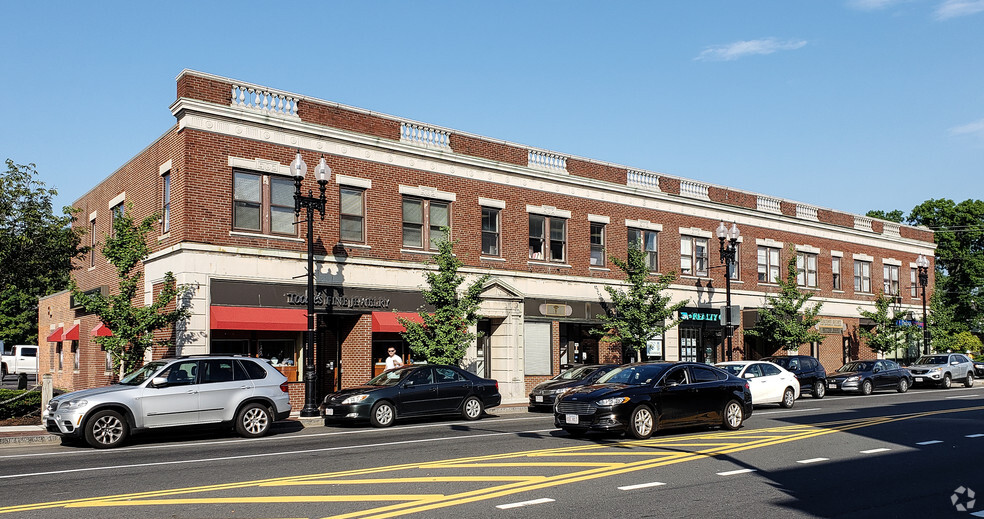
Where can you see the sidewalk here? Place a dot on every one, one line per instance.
(17, 434)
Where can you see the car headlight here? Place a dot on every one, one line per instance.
(556, 391)
(608, 402)
(354, 399)
(74, 404)
(937, 369)
(852, 379)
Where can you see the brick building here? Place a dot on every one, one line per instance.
(541, 224)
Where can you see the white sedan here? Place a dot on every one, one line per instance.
(769, 383)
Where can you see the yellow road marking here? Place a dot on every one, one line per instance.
(263, 500)
(426, 479)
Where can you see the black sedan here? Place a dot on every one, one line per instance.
(865, 376)
(643, 398)
(543, 395)
(418, 390)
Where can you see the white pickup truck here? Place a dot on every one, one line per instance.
(20, 358)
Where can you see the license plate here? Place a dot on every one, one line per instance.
(918, 379)
(571, 418)
(329, 412)
(538, 398)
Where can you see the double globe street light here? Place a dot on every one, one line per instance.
(298, 168)
(923, 265)
(728, 257)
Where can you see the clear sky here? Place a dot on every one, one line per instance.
(845, 104)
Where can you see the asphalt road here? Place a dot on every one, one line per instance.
(10, 381)
(884, 455)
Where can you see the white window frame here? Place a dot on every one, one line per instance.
(806, 269)
(692, 263)
(768, 271)
(862, 276)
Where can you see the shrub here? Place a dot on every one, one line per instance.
(27, 405)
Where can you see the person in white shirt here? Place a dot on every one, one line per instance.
(394, 360)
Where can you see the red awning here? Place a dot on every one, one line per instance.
(250, 318)
(55, 336)
(102, 331)
(72, 334)
(389, 322)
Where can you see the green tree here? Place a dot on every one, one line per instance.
(886, 336)
(943, 326)
(959, 234)
(967, 342)
(641, 312)
(36, 250)
(894, 215)
(443, 337)
(132, 323)
(783, 321)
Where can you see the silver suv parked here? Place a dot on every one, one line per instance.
(942, 369)
(247, 393)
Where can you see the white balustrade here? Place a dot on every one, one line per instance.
(862, 223)
(891, 229)
(262, 100)
(691, 189)
(547, 161)
(424, 136)
(805, 212)
(768, 204)
(642, 179)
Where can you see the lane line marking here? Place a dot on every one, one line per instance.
(872, 451)
(962, 396)
(734, 472)
(642, 485)
(974, 435)
(786, 412)
(540, 501)
(813, 460)
(930, 442)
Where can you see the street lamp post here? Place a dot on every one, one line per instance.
(298, 169)
(923, 265)
(728, 256)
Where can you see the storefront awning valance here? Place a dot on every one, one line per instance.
(55, 336)
(102, 331)
(388, 322)
(251, 318)
(72, 334)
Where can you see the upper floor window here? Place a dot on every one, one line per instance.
(548, 238)
(92, 242)
(262, 203)
(597, 244)
(115, 213)
(890, 278)
(693, 256)
(648, 242)
(166, 202)
(768, 265)
(490, 231)
(862, 276)
(806, 269)
(423, 221)
(835, 266)
(913, 286)
(351, 214)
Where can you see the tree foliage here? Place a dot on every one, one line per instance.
(131, 322)
(784, 321)
(36, 250)
(894, 215)
(640, 312)
(886, 336)
(444, 336)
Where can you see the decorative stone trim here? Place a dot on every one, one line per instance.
(117, 200)
(695, 231)
(691, 189)
(837, 254)
(863, 257)
(806, 212)
(428, 192)
(164, 168)
(426, 136)
(597, 218)
(642, 179)
(891, 229)
(548, 210)
(345, 180)
(644, 224)
(546, 161)
(808, 249)
(491, 202)
(863, 223)
(892, 261)
(767, 204)
(262, 165)
(264, 100)
(93, 215)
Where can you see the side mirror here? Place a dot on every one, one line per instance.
(748, 375)
(159, 381)
(408, 383)
(671, 383)
(954, 363)
(876, 370)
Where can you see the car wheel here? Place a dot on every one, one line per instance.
(642, 423)
(382, 415)
(734, 415)
(576, 433)
(253, 420)
(947, 381)
(969, 382)
(106, 429)
(819, 389)
(788, 398)
(867, 387)
(472, 409)
(903, 385)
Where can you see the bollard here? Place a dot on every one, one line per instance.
(22, 381)
(47, 390)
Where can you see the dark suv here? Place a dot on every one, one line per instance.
(808, 370)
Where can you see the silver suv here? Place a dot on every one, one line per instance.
(248, 393)
(942, 369)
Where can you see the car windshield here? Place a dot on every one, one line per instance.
(734, 369)
(390, 378)
(575, 373)
(634, 375)
(782, 361)
(932, 359)
(135, 378)
(856, 366)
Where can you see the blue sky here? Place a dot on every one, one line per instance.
(846, 104)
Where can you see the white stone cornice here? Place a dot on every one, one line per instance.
(262, 165)
(548, 210)
(644, 224)
(428, 192)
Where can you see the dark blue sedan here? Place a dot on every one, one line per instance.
(543, 395)
(865, 376)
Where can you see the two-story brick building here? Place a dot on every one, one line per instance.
(542, 224)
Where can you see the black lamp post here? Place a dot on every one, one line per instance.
(728, 254)
(923, 265)
(298, 168)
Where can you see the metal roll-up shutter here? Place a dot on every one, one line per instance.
(537, 349)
